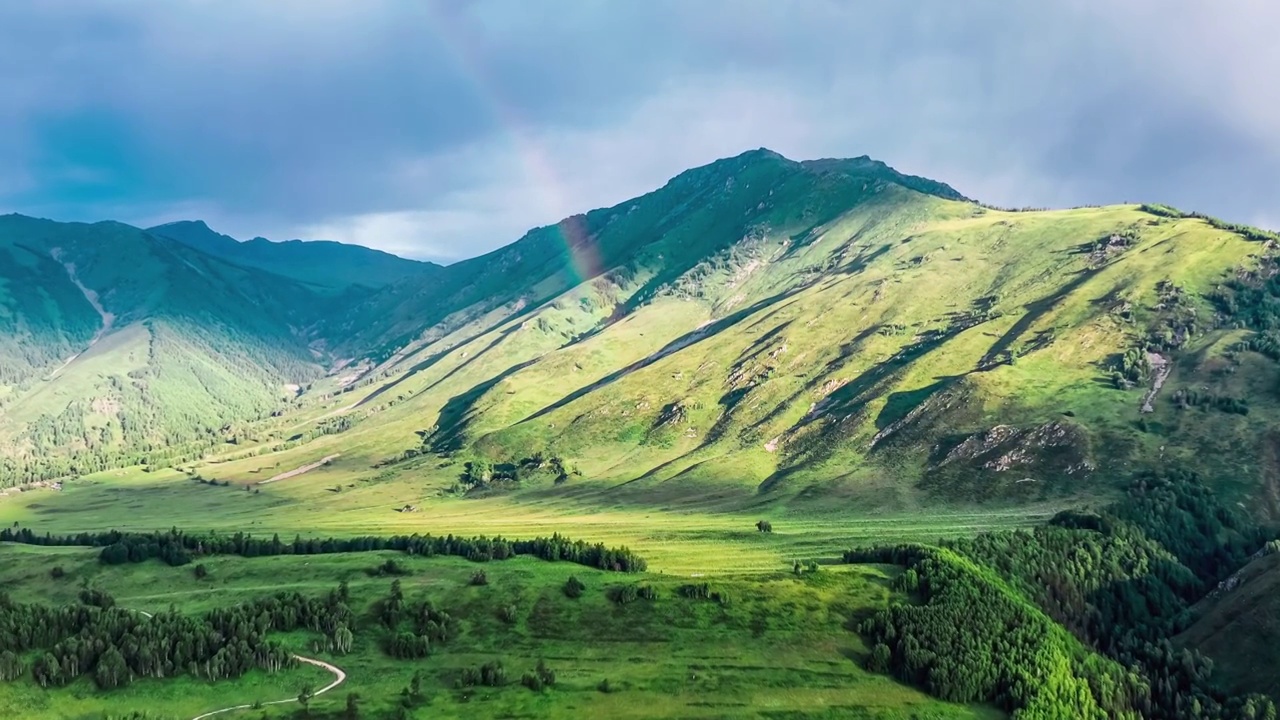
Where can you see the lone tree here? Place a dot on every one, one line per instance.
(304, 699)
(764, 526)
(573, 587)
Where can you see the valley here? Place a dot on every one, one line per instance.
(853, 401)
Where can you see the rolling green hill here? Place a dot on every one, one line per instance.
(322, 265)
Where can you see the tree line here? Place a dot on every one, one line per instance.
(176, 547)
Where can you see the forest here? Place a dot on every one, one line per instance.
(176, 547)
(114, 645)
(1010, 618)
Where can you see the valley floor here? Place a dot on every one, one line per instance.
(682, 540)
(781, 648)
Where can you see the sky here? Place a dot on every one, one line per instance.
(443, 129)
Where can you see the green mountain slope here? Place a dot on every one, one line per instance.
(323, 265)
(122, 346)
(827, 331)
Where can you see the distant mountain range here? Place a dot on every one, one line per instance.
(830, 331)
(323, 265)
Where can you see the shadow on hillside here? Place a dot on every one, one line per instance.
(431, 361)
(687, 340)
(1034, 311)
(453, 416)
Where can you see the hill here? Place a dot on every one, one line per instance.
(1238, 626)
(322, 265)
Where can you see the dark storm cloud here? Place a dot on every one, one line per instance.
(443, 129)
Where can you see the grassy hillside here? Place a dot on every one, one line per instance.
(326, 266)
(821, 336)
(125, 348)
(826, 334)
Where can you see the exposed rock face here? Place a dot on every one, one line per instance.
(1055, 447)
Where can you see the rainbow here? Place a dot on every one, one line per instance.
(579, 247)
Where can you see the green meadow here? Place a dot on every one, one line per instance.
(780, 647)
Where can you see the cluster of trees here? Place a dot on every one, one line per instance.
(1186, 399)
(490, 674)
(972, 640)
(328, 426)
(625, 594)
(541, 677)
(703, 591)
(415, 628)
(176, 547)
(1122, 582)
(1131, 368)
(482, 473)
(114, 646)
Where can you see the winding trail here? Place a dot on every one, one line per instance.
(339, 677)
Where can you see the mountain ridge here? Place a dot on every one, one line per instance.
(324, 264)
(762, 327)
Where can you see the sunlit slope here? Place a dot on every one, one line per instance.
(910, 344)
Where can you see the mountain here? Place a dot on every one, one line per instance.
(118, 344)
(831, 333)
(829, 330)
(323, 265)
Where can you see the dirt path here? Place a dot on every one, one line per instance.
(339, 677)
(298, 471)
(108, 319)
(338, 674)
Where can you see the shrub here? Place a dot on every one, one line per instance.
(479, 578)
(201, 571)
(573, 587)
(390, 567)
(541, 677)
(57, 573)
(509, 614)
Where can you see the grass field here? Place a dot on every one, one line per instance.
(675, 540)
(780, 648)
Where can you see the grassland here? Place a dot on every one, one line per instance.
(709, 540)
(779, 649)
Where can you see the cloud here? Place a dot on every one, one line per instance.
(444, 129)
